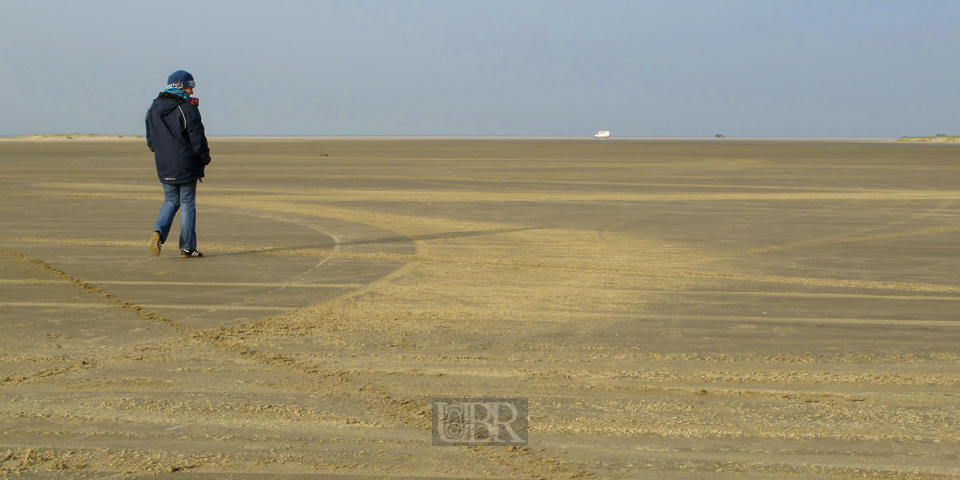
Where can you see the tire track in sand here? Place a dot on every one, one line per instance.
(407, 412)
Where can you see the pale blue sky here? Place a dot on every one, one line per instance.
(517, 68)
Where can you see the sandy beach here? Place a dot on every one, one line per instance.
(702, 309)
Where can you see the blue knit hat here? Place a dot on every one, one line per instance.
(181, 79)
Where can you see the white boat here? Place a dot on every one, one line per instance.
(602, 134)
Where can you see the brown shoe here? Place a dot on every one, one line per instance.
(190, 254)
(155, 243)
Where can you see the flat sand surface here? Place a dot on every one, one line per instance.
(670, 309)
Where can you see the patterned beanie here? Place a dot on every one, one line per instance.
(181, 79)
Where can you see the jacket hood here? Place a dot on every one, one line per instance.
(166, 103)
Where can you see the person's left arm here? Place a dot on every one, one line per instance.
(195, 130)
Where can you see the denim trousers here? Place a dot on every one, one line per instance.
(181, 197)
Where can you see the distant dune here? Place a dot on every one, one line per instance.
(70, 136)
(936, 139)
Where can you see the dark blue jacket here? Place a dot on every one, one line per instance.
(175, 135)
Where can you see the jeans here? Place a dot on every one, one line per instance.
(176, 197)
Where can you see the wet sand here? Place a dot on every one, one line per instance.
(671, 309)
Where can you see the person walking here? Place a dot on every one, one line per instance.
(176, 137)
